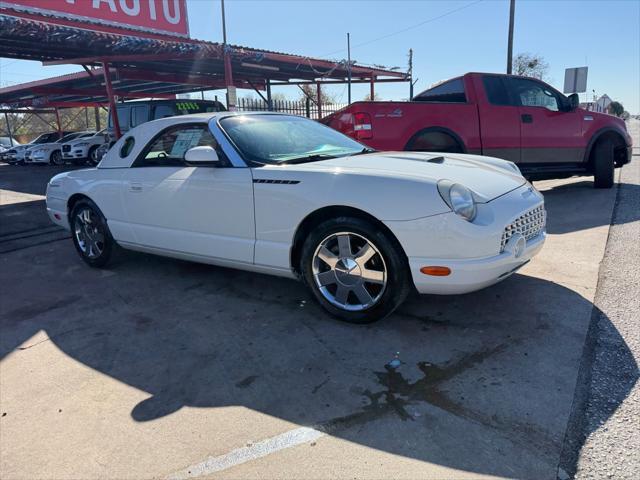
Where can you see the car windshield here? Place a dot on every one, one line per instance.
(277, 139)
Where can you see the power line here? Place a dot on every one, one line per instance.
(424, 22)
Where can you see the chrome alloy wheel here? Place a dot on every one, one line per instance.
(89, 233)
(349, 271)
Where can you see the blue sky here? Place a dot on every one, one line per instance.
(605, 35)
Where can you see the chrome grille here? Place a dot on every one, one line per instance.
(529, 225)
(66, 148)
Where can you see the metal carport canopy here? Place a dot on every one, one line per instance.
(142, 67)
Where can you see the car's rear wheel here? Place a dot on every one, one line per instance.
(603, 164)
(356, 271)
(90, 234)
(56, 158)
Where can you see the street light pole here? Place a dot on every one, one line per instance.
(512, 9)
(349, 67)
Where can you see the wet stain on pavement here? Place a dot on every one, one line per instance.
(399, 393)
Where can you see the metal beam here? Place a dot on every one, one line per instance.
(112, 100)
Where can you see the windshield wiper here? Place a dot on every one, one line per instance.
(364, 150)
(307, 158)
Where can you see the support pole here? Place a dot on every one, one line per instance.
(269, 99)
(372, 91)
(6, 119)
(58, 123)
(319, 101)
(512, 9)
(96, 116)
(228, 72)
(112, 101)
(349, 67)
(86, 118)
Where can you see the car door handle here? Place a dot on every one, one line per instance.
(135, 187)
(526, 118)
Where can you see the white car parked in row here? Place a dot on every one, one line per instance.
(84, 148)
(52, 152)
(287, 196)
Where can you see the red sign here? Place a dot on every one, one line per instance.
(167, 17)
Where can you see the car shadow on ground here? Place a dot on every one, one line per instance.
(480, 376)
(566, 216)
(30, 179)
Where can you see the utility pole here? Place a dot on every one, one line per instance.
(349, 67)
(410, 74)
(512, 9)
(228, 73)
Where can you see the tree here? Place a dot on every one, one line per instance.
(616, 108)
(528, 65)
(309, 90)
(376, 97)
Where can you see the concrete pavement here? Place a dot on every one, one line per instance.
(159, 368)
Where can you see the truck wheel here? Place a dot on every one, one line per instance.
(434, 142)
(603, 164)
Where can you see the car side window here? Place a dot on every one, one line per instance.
(534, 94)
(496, 90)
(139, 115)
(163, 111)
(168, 148)
(449, 92)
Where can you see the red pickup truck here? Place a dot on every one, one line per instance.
(520, 119)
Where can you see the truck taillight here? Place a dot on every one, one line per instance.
(362, 126)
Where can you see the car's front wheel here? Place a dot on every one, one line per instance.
(356, 271)
(56, 158)
(93, 155)
(90, 234)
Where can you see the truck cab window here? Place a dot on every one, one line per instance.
(534, 94)
(448, 92)
(496, 91)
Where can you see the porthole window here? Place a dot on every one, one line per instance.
(126, 148)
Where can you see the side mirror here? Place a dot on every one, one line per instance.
(205, 156)
(574, 101)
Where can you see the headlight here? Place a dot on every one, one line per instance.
(81, 144)
(459, 198)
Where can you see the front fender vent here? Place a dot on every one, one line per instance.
(275, 181)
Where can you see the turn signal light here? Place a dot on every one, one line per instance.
(436, 271)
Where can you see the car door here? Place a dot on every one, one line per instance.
(549, 132)
(194, 210)
(499, 119)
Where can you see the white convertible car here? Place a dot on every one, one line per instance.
(284, 195)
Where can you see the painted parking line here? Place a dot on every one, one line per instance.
(242, 455)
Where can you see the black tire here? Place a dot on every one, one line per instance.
(56, 158)
(82, 239)
(603, 164)
(434, 142)
(91, 158)
(389, 256)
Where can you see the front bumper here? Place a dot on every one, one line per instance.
(76, 152)
(471, 274)
(471, 250)
(36, 159)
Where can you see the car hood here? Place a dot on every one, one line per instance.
(43, 145)
(488, 177)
